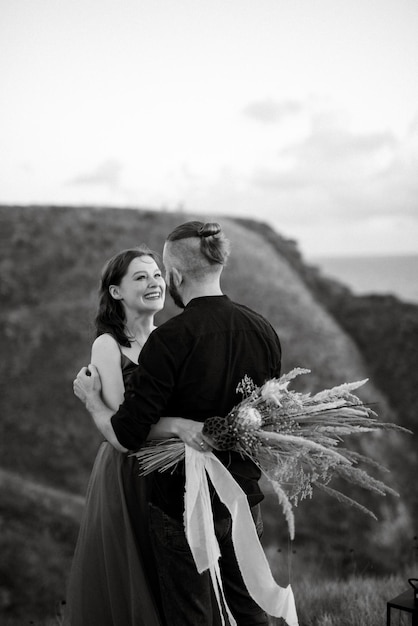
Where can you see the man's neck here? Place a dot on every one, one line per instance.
(201, 292)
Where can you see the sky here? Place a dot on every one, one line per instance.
(299, 113)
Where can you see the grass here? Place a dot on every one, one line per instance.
(357, 601)
(39, 528)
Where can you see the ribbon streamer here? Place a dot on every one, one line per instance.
(200, 532)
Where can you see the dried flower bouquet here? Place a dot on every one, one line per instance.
(295, 438)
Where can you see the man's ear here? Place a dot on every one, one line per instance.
(177, 276)
(114, 292)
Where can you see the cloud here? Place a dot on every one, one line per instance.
(335, 171)
(327, 146)
(271, 111)
(107, 174)
(331, 147)
(104, 184)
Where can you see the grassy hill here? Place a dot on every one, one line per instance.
(50, 262)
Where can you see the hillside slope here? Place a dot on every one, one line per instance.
(50, 261)
(49, 272)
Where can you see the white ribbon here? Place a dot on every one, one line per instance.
(200, 532)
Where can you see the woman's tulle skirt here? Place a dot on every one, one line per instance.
(113, 579)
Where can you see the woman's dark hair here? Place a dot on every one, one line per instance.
(214, 245)
(110, 316)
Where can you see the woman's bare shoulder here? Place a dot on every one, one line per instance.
(105, 344)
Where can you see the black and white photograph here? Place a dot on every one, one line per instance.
(209, 312)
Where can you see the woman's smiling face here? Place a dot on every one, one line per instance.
(143, 286)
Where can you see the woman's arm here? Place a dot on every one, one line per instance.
(105, 356)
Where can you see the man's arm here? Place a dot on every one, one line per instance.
(87, 388)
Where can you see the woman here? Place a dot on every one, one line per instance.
(113, 580)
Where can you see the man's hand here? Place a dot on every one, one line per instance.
(87, 385)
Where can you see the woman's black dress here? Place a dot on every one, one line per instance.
(113, 578)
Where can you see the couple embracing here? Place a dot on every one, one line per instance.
(133, 565)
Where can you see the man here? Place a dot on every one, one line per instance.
(190, 367)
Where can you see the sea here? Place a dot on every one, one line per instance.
(395, 275)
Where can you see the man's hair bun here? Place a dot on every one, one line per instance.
(209, 229)
(213, 245)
